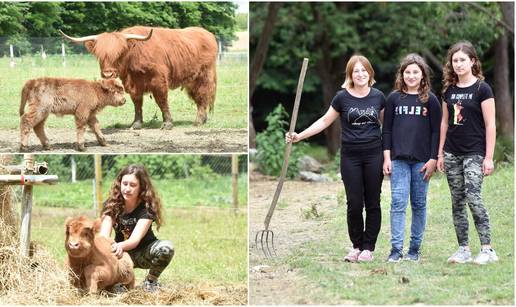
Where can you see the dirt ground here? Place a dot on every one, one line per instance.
(277, 283)
(176, 140)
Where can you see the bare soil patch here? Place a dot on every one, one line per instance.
(279, 284)
(176, 140)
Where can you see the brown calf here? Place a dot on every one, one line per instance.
(82, 98)
(93, 266)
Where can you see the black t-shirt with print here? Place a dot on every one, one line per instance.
(466, 127)
(359, 118)
(410, 127)
(127, 222)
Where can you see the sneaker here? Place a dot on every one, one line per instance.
(352, 256)
(412, 255)
(118, 288)
(395, 256)
(151, 285)
(461, 256)
(365, 256)
(485, 256)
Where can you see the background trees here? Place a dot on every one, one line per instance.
(22, 20)
(329, 33)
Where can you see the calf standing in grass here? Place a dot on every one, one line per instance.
(93, 266)
(82, 98)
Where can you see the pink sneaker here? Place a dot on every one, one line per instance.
(352, 256)
(365, 256)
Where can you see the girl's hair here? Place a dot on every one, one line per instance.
(114, 205)
(348, 82)
(424, 86)
(449, 76)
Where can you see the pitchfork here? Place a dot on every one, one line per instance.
(266, 236)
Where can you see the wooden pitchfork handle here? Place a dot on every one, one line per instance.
(288, 148)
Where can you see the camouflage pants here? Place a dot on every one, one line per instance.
(465, 177)
(156, 256)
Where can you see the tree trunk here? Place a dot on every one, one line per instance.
(504, 101)
(259, 59)
(328, 70)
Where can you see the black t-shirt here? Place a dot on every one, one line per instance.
(466, 127)
(126, 223)
(410, 127)
(359, 118)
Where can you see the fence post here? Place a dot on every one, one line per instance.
(234, 180)
(74, 169)
(26, 208)
(98, 183)
(11, 53)
(64, 54)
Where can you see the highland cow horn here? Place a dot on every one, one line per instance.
(79, 39)
(138, 37)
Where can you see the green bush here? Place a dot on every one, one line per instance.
(271, 145)
(504, 150)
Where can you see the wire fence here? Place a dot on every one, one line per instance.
(180, 180)
(38, 49)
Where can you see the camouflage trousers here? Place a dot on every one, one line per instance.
(465, 178)
(155, 257)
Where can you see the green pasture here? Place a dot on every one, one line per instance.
(230, 109)
(175, 193)
(433, 280)
(210, 243)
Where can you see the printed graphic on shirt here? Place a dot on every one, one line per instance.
(128, 226)
(357, 116)
(458, 119)
(411, 110)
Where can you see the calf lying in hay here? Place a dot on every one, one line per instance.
(93, 266)
(82, 98)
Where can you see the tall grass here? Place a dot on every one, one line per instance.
(433, 280)
(230, 105)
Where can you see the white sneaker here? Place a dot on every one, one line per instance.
(486, 256)
(461, 256)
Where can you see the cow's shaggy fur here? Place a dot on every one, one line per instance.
(81, 98)
(92, 265)
(169, 59)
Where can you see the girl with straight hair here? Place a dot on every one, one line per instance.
(360, 108)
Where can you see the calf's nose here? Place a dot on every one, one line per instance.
(73, 245)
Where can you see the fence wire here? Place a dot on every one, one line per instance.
(180, 180)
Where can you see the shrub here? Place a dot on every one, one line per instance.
(271, 145)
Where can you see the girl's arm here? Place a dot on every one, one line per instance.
(106, 226)
(435, 122)
(141, 228)
(318, 126)
(488, 112)
(442, 137)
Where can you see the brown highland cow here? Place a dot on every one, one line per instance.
(157, 59)
(93, 266)
(82, 98)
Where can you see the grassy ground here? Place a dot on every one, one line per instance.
(432, 281)
(213, 192)
(230, 105)
(210, 243)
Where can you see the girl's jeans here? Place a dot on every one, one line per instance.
(407, 181)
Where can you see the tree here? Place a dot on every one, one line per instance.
(258, 59)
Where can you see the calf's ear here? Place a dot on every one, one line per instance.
(67, 223)
(106, 85)
(96, 225)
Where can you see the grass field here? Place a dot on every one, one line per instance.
(230, 105)
(177, 193)
(432, 281)
(210, 243)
